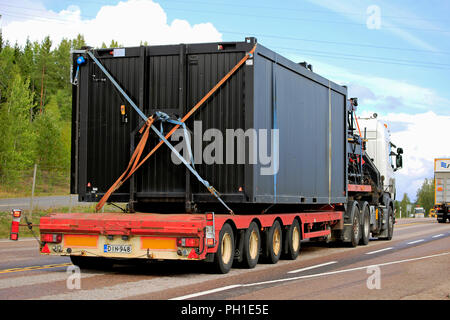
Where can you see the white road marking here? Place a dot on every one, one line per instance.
(13, 204)
(202, 293)
(417, 241)
(313, 267)
(317, 274)
(381, 250)
(345, 270)
(438, 235)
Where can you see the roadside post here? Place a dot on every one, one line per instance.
(32, 191)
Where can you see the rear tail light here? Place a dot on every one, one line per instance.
(51, 237)
(188, 242)
(16, 214)
(210, 232)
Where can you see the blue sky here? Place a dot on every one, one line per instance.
(401, 70)
(343, 26)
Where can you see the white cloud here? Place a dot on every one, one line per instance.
(128, 22)
(423, 138)
(377, 90)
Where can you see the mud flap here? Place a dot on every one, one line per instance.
(346, 234)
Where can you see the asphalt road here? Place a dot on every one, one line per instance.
(414, 265)
(8, 204)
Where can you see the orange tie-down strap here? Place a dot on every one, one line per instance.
(133, 164)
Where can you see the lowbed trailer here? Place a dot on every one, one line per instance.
(181, 236)
(321, 184)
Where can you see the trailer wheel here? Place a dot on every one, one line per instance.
(274, 243)
(365, 225)
(94, 263)
(292, 241)
(252, 246)
(356, 227)
(224, 256)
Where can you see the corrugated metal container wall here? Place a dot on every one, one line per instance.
(103, 146)
(267, 92)
(309, 112)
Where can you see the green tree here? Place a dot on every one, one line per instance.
(78, 42)
(17, 147)
(27, 63)
(1, 40)
(62, 64)
(404, 205)
(8, 69)
(425, 195)
(49, 144)
(45, 71)
(397, 209)
(114, 44)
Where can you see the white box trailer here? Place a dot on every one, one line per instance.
(442, 189)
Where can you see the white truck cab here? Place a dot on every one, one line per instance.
(386, 156)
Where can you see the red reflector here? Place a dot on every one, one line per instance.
(51, 237)
(192, 255)
(17, 213)
(45, 249)
(210, 242)
(209, 216)
(14, 236)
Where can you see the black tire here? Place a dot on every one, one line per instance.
(390, 225)
(356, 227)
(292, 241)
(94, 263)
(223, 259)
(274, 243)
(252, 246)
(365, 224)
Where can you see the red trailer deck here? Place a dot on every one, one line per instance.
(170, 236)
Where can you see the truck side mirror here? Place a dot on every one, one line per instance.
(398, 161)
(400, 150)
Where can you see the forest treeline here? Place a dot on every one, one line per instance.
(35, 107)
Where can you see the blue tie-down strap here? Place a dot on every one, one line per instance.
(80, 61)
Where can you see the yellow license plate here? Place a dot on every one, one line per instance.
(80, 240)
(155, 243)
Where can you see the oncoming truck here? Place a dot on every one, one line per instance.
(225, 152)
(442, 189)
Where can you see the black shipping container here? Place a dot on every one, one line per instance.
(267, 92)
